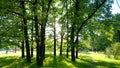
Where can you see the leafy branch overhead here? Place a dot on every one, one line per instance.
(90, 16)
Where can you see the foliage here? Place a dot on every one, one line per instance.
(90, 20)
(114, 50)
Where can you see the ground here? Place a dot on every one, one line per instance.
(85, 60)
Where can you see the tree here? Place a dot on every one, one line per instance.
(45, 9)
(28, 57)
(38, 56)
(22, 47)
(62, 38)
(54, 37)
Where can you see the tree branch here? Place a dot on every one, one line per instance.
(14, 12)
(19, 14)
(89, 17)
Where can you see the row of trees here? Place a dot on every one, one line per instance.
(81, 22)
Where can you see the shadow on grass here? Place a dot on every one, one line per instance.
(56, 62)
(63, 62)
(11, 62)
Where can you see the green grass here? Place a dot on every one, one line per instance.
(85, 60)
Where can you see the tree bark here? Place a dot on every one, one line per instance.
(72, 42)
(28, 58)
(31, 51)
(77, 48)
(38, 49)
(73, 31)
(73, 53)
(42, 46)
(76, 51)
(67, 49)
(23, 54)
(61, 44)
(32, 40)
(54, 38)
(43, 26)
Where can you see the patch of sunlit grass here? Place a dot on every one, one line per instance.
(102, 61)
(85, 60)
(10, 54)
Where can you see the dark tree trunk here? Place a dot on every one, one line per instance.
(73, 53)
(54, 38)
(43, 26)
(15, 49)
(28, 57)
(27, 43)
(23, 54)
(72, 42)
(67, 50)
(77, 47)
(38, 50)
(42, 38)
(42, 46)
(73, 30)
(76, 51)
(61, 44)
(76, 16)
(32, 40)
(41, 42)
(37, 42)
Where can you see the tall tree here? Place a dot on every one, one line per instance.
(61, 42)
(28, 57)
(73, 30)
(54, 37)
(38, 57)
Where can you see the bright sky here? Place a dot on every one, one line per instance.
(115, 8)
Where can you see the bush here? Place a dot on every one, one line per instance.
(108, 52)
(114, 51)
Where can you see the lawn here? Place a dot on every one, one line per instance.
(85, 60)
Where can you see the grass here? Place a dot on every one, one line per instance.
(85, 60)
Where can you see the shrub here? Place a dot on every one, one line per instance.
(114, 51)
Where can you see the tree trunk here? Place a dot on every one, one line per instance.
(73, 30)
(54, 38)
(15, 49)
(38, 50)
(28, 58)
(67, 50)
(43, 26)
(76, 16)
(32, 40)
(27, 43)
(61, 44)
(42, 46)
(76, 51)
(72, 42)
(23, 54)
(42, 38)
(73, 53)
(76, 47)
